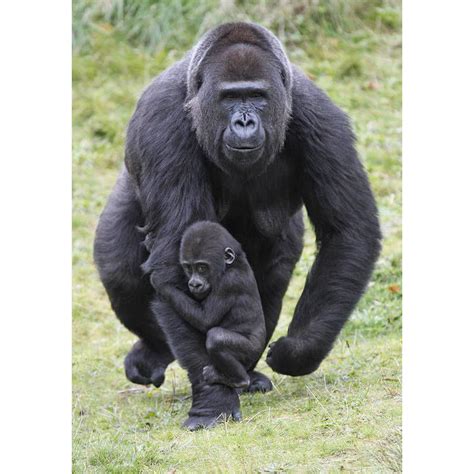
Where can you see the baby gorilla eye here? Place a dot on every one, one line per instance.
(201, 268)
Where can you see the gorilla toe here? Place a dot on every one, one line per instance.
(194, 423)
(258, 383)
(212, 404)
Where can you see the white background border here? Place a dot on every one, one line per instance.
(35, 246)
(438, 237)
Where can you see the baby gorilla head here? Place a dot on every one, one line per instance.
(207, 249)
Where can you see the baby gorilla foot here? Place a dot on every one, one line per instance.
(144, 366)
(212, 404)
(212, 376)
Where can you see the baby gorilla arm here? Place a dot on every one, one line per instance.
(201, 316)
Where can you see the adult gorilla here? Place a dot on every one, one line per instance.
(234, 133)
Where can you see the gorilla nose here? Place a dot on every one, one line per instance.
(244, 122)
(195, 285)
(244, 126)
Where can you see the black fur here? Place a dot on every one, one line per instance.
(228, 311)
(178, 171)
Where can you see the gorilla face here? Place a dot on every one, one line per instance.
(241, 109)
(243, 140)
(206, 251)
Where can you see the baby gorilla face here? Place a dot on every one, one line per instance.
(205, 255)
(198, 274)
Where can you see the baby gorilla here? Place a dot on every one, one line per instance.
(225, 303)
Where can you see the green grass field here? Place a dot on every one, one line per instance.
(344, 417)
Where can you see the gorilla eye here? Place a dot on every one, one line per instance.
(201, 268)
(230, 95)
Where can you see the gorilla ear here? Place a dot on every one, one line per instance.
(229, 256)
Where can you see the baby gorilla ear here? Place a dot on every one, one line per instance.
(229, 256)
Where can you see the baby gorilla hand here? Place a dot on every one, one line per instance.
(292, 356)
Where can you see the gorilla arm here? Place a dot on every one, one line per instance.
(202, 316)
(173, 189)
(341, 207)
(166, 163)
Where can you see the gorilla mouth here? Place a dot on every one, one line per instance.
(200, 295)
(243, 158)
(244, 149)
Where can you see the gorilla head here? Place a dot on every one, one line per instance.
(239, 96)
(207, 249)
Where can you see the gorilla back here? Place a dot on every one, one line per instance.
(234, 133)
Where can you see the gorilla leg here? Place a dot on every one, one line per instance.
(211, 403)
(225, 349)
(118, 253)
(273, 279)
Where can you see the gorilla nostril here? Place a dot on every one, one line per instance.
(244, 122)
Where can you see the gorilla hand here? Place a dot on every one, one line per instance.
(292, 356)
(144, 366)
(259, 383)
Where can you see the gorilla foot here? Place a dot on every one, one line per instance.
(258, 383)
(194, 423)
(144, 366)
(212, 404)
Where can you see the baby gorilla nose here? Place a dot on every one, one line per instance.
(199, 288)
(195, 286)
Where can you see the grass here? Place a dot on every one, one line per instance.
(347, 415)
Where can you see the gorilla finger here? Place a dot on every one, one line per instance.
(270, 349)
(237, 415)
(269, 360)
(260, 386)
(158, 377)
(134, 376)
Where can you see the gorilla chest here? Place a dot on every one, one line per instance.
(258, 208)
(258, 212)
